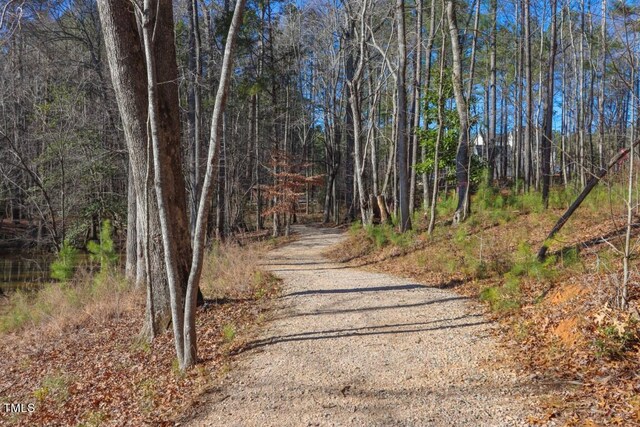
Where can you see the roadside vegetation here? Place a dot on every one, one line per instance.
(560, 315)
(68, 348)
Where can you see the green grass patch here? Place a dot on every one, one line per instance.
(384, 235)
(446, 206)
(503, 298)
(54, 386)
(229, 332)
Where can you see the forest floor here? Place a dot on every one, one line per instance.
(351, 347)
(73, 352)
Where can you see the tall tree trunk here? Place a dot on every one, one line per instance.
(517, 152)
(193, 107)
(427, 67)
(474, 41)
(354, 78)
(126, 63)
(132, 238)
(493, 111)
(401, 118)
(436, 157)
(528, 96)
(221, 184)
(462, 155)
(547, 121)
(417, 94)
(171, 261)
(164, 131)
(349, 123)
(603, 68)
(623, 293)
(193, 283)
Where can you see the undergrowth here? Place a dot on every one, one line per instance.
(82, 294)
(475, 251)
(70, 303)
(508, 295)
(557, 310)
(231, 269)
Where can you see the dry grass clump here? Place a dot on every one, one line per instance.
(231, 269)
(60, 306)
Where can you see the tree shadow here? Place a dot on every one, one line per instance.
(360, 332)
(358, 290)
(223, 301)
(376, 308)
(620, 232)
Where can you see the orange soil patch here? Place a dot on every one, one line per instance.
(568, 333)
(566, 293)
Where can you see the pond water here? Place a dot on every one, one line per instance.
(23, 271)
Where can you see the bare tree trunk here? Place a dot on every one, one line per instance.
(417, 93)
(354, 77)
(462, 155)
(193, 107)
(474, 41)
(350, 138)
(159, 103)
(354, 97)
(163, 181)
(401, 134)
(623, 297)
(256, 179)
(493, 111)
(581, 110)
(132, 239)
(374, 95)
(517, 152)
(429, 48)
(221, 184)
(436, 157)
(126, 63)
(189, 349)
(528, 97)
(603, 68)
(548, 111)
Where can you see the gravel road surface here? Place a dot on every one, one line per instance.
(348, 347)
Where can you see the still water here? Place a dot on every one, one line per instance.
(23, 270)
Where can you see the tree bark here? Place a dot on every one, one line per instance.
(462, 155)
(547, 122)
(155, 25)
(528, 96)
(493, 111)
(132, 239)
(354, 79)
(429, 49)
(401, 134)
(603, 68)
(126, 63)
(436, 156)
(190, 350)
(417, 94)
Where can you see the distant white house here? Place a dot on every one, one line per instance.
(503, 155)
(480, 146)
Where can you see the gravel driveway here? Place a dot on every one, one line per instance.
(348, 347)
